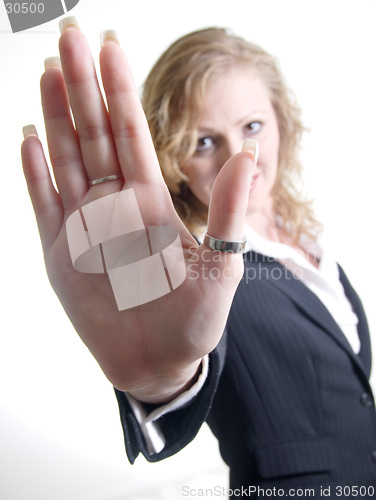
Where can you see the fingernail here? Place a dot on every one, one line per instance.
(108, 35)
(68, 23)
(52, 62)
(251, 146)
(29, 130)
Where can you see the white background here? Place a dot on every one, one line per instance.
(60, 436)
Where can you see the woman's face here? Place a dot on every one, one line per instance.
(237, 107)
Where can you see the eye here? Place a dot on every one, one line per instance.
(253, 127)
(204, 144)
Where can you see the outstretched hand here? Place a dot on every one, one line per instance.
(154, 349)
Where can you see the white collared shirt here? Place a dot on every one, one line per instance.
(323, 281)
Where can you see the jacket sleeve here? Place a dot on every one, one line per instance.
(178, 427)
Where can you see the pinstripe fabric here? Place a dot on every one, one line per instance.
(292, 407)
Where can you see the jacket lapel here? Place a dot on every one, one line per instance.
(363, 330)
(312, 307)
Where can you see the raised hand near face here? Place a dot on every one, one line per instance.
(109, 181)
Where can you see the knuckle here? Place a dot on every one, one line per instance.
(90, 133)
(64, 160)
(128, 130)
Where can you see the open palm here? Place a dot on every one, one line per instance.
(154, 349)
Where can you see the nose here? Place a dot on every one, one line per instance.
(230, 146)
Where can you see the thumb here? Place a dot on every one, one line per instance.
(230, 194)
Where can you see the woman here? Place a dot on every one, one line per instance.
(272, 350)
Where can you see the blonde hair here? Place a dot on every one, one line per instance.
(172, 98)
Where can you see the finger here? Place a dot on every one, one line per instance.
(128, 122)
(46, 201)
(65, 154)
(88, 108)
(230, 194)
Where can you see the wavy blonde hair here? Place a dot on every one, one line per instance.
(172, 98)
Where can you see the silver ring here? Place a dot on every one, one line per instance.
(223, 245)
(105, 179)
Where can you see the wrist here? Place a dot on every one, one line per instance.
(164, 388)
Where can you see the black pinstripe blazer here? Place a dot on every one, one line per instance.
(286, 396)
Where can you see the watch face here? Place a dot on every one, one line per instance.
(24, 15)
